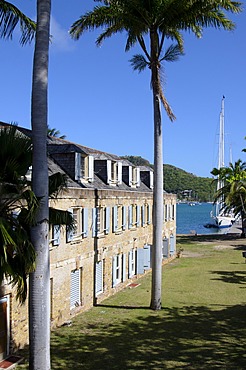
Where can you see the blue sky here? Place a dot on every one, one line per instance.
(97, 100)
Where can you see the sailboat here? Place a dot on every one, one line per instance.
(221, 218)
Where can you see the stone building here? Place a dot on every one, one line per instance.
(111, 201)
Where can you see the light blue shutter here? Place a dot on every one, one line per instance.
(123, 217)
(94, 222)
(107, 220)
(115, 218)
(124, 267)
(75, 288)
(143, 214)
(140, 261)
(147, 256)
(129, 264)
(99, 277)
(130, 217)
(138, 216)
(172, 245)
(165, 248)
(114, 270)
(69, 233)
(149, 214)
(85, 222)
(56, 234)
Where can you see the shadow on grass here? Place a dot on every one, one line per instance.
(186, 338)
(190, 239)
(232, 277)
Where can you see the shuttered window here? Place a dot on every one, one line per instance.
(80, 216)
(100, 221)
(116, 269)
(165, 248)
(99, 277)
(172, 245)
(75, 288)
(131, 263)
(124, 218)
(56, 231)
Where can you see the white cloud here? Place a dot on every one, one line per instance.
(60, 39)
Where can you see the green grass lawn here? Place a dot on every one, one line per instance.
(202, 324)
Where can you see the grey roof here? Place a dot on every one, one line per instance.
(57, 145)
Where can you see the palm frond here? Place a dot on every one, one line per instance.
(139, 63)
(61, 217)
(57, 183)
(10, 16)
(172, 53)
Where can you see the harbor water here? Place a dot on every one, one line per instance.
(191, 219)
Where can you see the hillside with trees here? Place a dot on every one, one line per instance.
(186, 185)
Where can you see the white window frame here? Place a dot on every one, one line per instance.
(80, 215)
(114, 172)
(100, 221)
(117, 269)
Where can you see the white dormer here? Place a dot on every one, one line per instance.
(84, 167)
(114, 172)
(131, 176)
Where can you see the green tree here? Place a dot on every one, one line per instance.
(10, 17)
(233, 191)
(158, 20)
(17, 208)
(39, 294)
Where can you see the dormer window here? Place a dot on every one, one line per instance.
(131, 176)
(84, 167)
(147, 177)
(114, 172)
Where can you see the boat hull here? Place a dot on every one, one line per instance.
(224, 221)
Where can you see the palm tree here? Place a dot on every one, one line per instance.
(233, 192)
(10, 17)
(17, 208)
(39, 295)
(56, 133)
(158, 20)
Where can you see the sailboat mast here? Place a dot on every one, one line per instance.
(221, 159)
(222, 136)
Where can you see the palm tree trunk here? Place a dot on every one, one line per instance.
(158, 181)
(39, 294)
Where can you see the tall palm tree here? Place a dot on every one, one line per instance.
(158, 20)
(233, 192)
(10, 17)
(39, 295)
